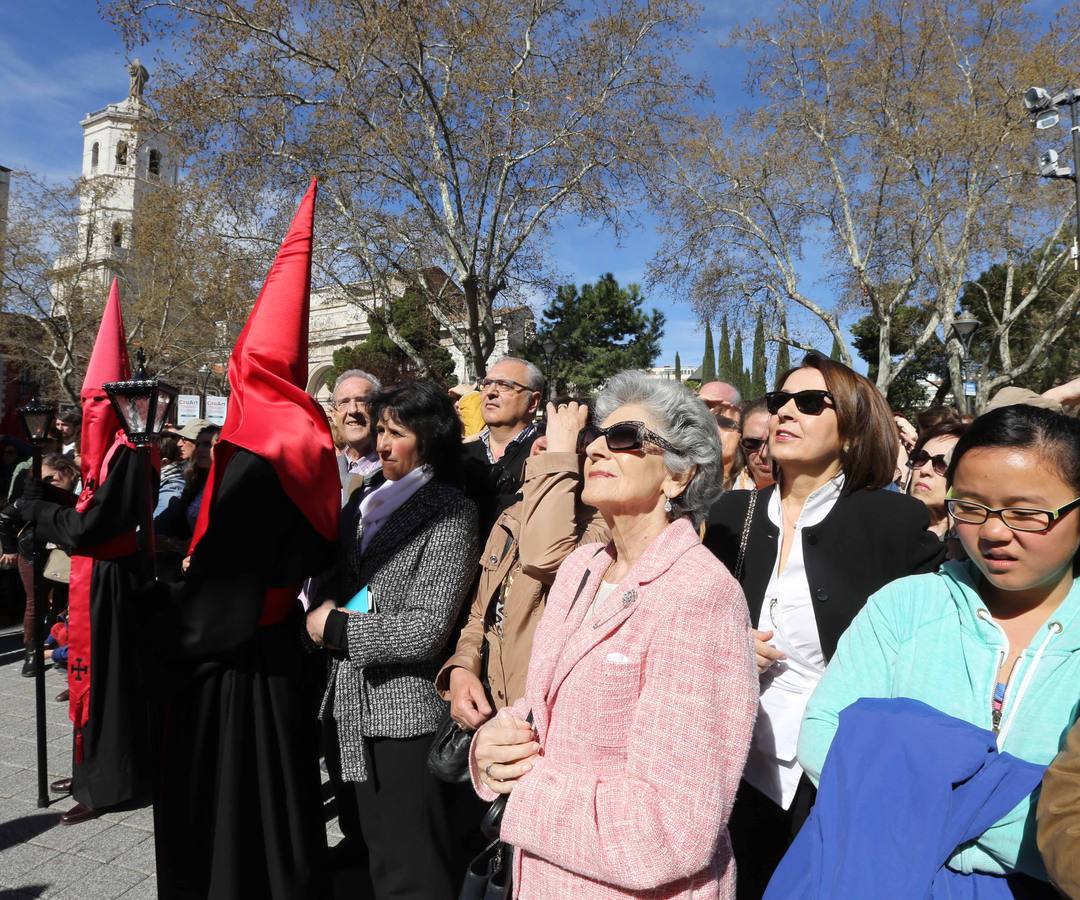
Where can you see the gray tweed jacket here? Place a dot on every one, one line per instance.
(419, 568)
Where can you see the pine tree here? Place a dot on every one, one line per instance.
(835, 352)
(738, 370)
(708, 364)
(724, 368)
(678, 368)
(783, 360)
(757, 377)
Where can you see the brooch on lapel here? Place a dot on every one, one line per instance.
(625, 600)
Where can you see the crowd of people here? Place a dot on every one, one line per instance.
(652, 643)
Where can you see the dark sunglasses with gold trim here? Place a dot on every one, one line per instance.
(811, 403)
(623, 436)
(938, 461)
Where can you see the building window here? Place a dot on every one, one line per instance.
(153, 167)
(121, 153)
(117, 234)
(94, 156)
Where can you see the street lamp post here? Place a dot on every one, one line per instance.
(963, 327)
(36, 418)
(1044, 113)
(550, 347)
(204, 370)
(143, 404)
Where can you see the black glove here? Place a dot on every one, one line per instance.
(33, 491)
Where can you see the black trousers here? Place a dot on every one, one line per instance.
(761, 833)
(403, 814)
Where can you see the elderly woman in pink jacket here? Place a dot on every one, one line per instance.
(642, 686)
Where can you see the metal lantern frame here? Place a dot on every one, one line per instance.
(37, 419)
(142, 404)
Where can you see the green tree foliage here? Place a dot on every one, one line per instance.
(783, 360)
(599, 330)
(757, 376)
(380, 356)
(678, 367)
(738, 367)
(723, 368)
(910, 391)
(708, 362)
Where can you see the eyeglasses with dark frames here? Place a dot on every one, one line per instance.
(501, 385)
(810, 402)
(624, 436)
(938, 461)
(726, 424)
(1018, 518)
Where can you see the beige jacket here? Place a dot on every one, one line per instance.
(523, 552)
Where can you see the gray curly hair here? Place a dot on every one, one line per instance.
(686, 423)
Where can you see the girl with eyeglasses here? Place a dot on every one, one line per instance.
(809, 551)
(926, 469)
(993, 640)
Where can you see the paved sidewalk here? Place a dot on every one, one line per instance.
(109, 857)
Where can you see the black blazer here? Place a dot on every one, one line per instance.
(868, 539)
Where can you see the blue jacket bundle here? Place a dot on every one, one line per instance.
(902, 787)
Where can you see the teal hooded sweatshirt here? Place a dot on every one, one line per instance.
(931, 638)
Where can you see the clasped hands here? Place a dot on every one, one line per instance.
(506, 748)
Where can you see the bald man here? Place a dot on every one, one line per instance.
(720, 397)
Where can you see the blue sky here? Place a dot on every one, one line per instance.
(59, 61)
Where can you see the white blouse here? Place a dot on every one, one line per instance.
(788, 611)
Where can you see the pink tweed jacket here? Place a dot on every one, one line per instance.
(644, 712)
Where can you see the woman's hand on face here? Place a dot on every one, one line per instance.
(563, 426)
(468, 704)
(316, 621)
(505, 749)
(765, 655)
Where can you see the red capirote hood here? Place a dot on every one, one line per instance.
(270, 413)
(100, 425)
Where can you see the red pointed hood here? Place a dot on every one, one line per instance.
(270, 412)
(108, 362)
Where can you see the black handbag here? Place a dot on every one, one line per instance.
(490, 875)
(448, 758)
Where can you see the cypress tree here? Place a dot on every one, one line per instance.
(783, 360)
(678, 368)
(724, 369)
(708, 364)
(757, 377)
(738, 367)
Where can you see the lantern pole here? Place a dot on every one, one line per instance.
(37, 419)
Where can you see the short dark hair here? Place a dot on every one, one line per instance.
(428, 412)
(946, 428)
(937, 415)
(1055, 436)
(71, 416)
(169, 446)
(869, 446)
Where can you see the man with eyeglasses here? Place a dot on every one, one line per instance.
(358, 463)
(723, 401)
(493, 465)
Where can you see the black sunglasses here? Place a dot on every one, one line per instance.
(809, 402)
(752, 445)
(940, 464)
(623, 436)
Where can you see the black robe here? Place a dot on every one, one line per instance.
(238, 806)
(116, 745)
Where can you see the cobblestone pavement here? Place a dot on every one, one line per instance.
(108, 857)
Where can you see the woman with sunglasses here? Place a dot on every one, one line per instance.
(808, 552)
(622, 759)
(754, 443)
(993, 640)
(927, 465)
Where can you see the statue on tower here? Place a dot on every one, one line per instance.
(139, 76)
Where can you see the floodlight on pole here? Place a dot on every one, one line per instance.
(1044, 111)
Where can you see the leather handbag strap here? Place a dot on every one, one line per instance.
(745, 539)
